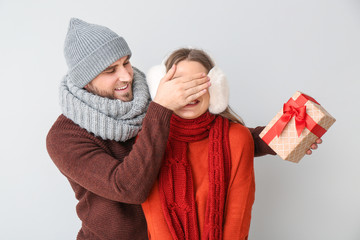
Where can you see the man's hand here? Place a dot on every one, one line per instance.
(178, 92)
(314, 146)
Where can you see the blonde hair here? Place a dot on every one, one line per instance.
(204, 59)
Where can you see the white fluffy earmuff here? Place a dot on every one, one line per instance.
(153, 77)
(219, 90)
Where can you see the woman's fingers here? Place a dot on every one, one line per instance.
(170, 74)
(175, 93)
(193, 77)
(196, 82)
(190, 92)
(195, 96)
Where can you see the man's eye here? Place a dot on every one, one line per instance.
(110, 71)
(126, 63)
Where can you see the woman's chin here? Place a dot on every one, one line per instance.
(188, 114)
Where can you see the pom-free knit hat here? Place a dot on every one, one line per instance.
(89, 49)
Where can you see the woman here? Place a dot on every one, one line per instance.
(206, 187)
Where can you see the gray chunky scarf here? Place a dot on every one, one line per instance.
(104, 117)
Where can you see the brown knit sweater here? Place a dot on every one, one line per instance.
(110, 179)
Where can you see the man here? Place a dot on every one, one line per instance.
(97, 143)
(103, 102)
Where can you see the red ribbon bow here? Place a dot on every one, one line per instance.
(290, 111)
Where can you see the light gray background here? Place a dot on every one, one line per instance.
(269, 49)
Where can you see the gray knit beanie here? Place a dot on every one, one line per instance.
(89, 49)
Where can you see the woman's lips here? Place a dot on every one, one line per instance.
(193, 103)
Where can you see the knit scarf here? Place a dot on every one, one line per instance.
(176, 182)
(107, 118)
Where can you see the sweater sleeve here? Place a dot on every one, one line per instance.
(241, 192)
(89, 163)
(260, 147)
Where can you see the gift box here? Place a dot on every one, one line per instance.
(296, 127)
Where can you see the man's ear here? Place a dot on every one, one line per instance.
(86, 86)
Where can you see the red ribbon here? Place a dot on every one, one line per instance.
(290, 111)
(295, 108)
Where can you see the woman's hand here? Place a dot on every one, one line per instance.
(175, 93)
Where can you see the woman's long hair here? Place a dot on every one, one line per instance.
(204, 59)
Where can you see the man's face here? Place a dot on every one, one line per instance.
(115, 82)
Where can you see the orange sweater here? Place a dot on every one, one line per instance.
(240, 195)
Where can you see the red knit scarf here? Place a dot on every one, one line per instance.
(176, 182)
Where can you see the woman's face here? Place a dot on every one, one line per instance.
(199, 106)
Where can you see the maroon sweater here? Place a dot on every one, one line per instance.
(110, 179)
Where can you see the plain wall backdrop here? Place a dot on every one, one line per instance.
(268, 49)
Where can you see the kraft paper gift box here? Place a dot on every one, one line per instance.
(296, 127)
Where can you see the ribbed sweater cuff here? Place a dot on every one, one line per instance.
(156, 112)
(261, 148)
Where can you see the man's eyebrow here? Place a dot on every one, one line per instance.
(111, 67)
